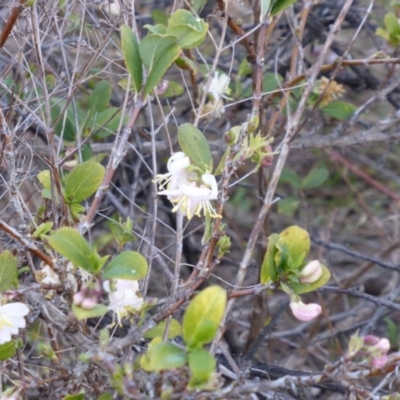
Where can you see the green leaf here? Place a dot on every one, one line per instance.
(271, 81)
(158, 54)
(297, 240)
(76, 209)
(189, 30)
(158, 29)
(81, 313)
(393, 333)
(122, 232)
(288, 206)
(42, 230)
(268, 268)
(392, 24)
(159, 17)
(164, 356)
(105, 396)
(100, 96)
(78, 396)
(339, 110)
(126, 265)
(203, 316)
(280, 5)
(201, 364)
(290, 177)
(300, 288)
(45, 179)
(315, 178)
(198, 5)
(130, 50)
(83, 181)
(186, 64)
(70, 244)
(194, 144)
(174, 90)
(175, 330)
(7, 350)
(265, 6)
(8, 271)
(105, 123)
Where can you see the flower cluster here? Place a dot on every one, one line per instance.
(11, 320)
(190, 193)
(377, 349)
(330, 91)
(306, 312)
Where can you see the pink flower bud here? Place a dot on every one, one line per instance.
(305, 312)
(311, 272)
(78, 298)
(89, 303)
(383, 345)
(379, 362)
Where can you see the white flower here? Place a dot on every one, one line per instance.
(192, 199)
(123, 296)
(177, 173)
(49, 277)
(305, 312)
(219, 88)
(11, 320)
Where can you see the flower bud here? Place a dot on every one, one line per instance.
(379, 362)
(89, 303)
(305, 312)
(78, 298)
(311, 272)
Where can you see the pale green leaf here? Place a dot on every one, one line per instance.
(8, 271)
(201, 364)
(100, 96)
(297, 241)
(315, 178)
(288, 206)
(268, 268)
(126, 265)
(189, 30)
(71, 244)
(265, 7)
(164, 356)
(83, 181)
(175, 330)
(81, 313)
(194, 144)
(78, 396)
(203, 316)
(7, 350)
(280, 5)
(339, 110)
(130, 50)
(158, 53)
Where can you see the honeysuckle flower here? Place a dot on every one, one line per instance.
(219, 88)
(47, 276)
(123, 296)
(177, 172)
(311, 272)
(192, 199)
(305, 312)
(11, 320)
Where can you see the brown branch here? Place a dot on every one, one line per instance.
(12, 19)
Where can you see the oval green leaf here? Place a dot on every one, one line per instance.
(175, 330)
(268, 270)
(300, 288)
(100, 96)
(7, 350)
(203, 316)
(315, 178)
(339, 110)
(8, 271)
(71, 244)
(194, 144)
(164, 356)
(297, 241)
(130, 50)
(81, 313)
(129, 265)
(83, 181)
(201, 364)
(157, 53)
